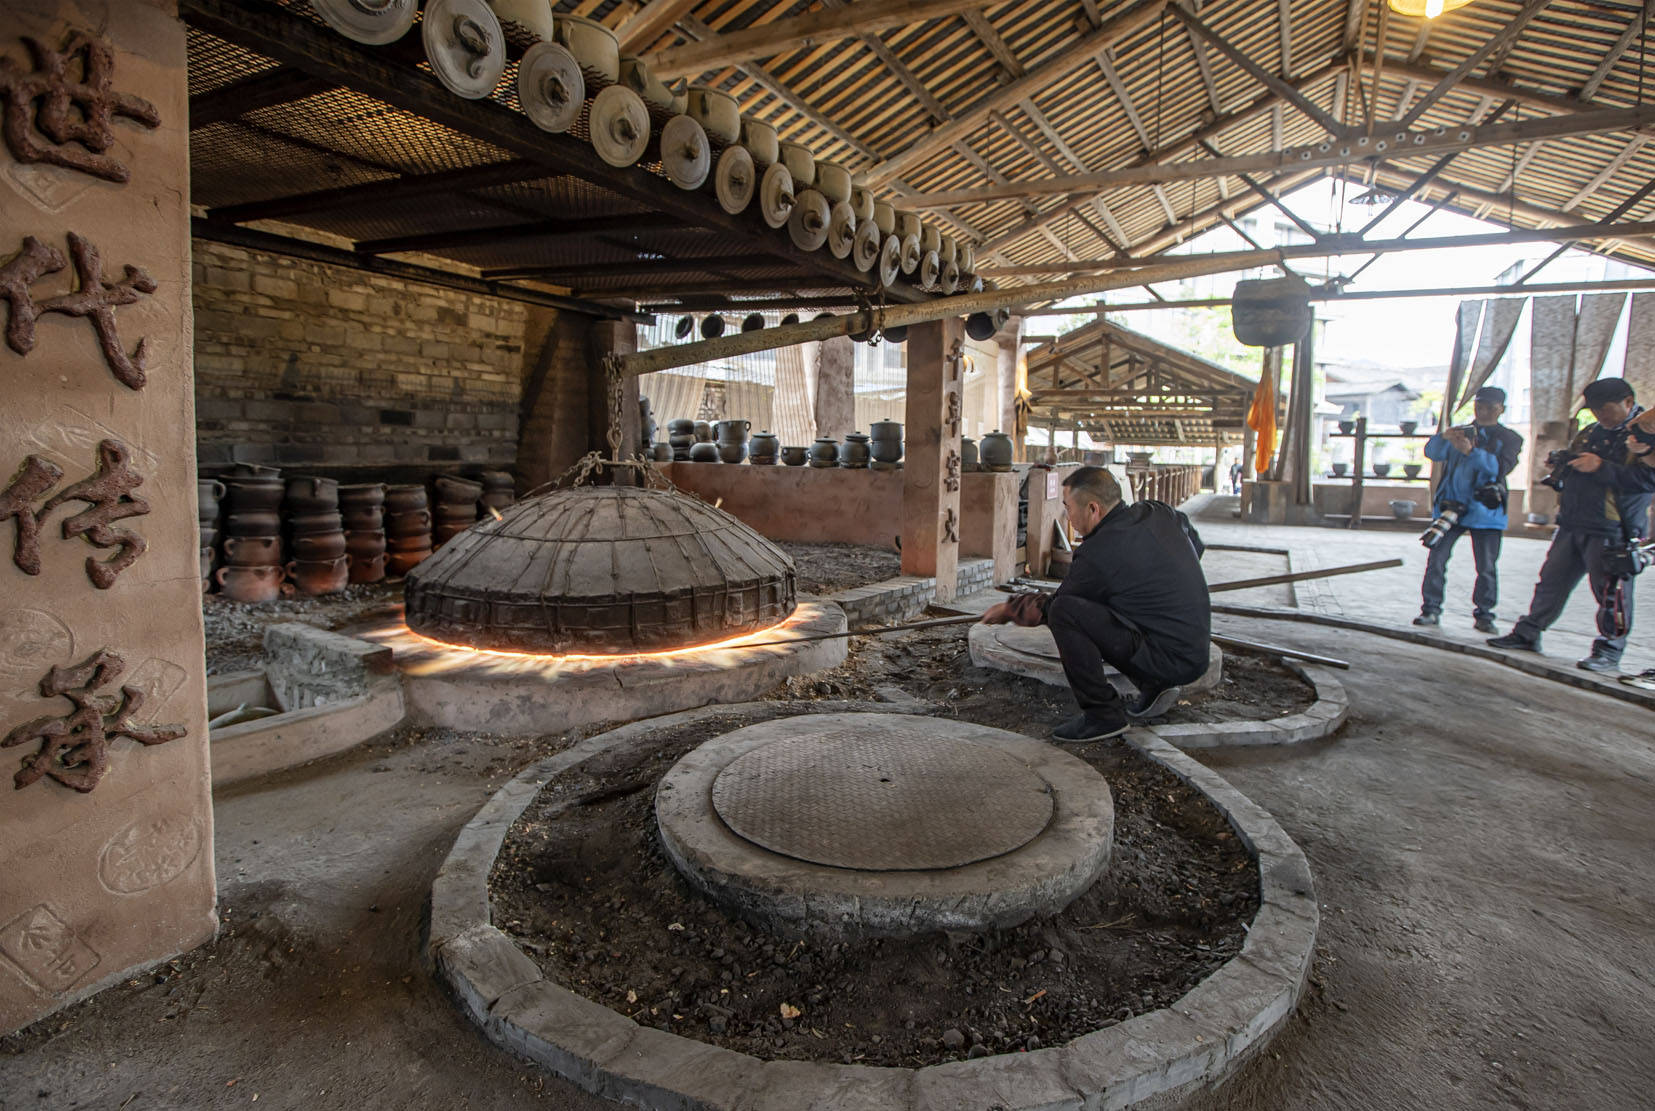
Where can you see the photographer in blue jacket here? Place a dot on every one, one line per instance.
(1470, 498)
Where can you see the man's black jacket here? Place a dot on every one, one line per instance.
(1143, 562)
(1612, 501)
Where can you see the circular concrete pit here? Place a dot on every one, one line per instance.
(861, 823)
(1031, 651)
(511, 692)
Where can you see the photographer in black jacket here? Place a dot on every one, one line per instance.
(1604, 496)
(1134, 598)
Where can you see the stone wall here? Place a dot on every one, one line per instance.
(303, 364)
(106, 831)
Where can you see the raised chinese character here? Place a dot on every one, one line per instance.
(94, 298)
(951, 471)
(52, 117)
(951, 527)
(74, 747)
(109, 495)
(952, 413)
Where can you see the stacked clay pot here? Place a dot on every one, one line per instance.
(362, 507)
(681, 437)
(407, 528)
(732, 439)
(886, 441)
(208, 491)
(856, 452)
(499, 490)
(316, 536)
(455, 508)
(764, 449)
(252, 544)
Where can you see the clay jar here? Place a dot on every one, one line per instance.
(306, 494)
(661, 453)
(363, 518)
(361, 545)
(311, 523)
(995, 451)
(323, 577)
(317, 547)
(855, 452)
(732, 451)
(411, 543)
(887, 440)
(404, 499)
(208, 491)
(824, 452)
(795, 456)
(250, 584)
(254, 495)
(706, 452)
(362, 495)
(411, 523)
(263, 523)
(734, 431)
(370, 570)
(765, 447)
(456, 490)
(398, 564)
(703, 432)
(968, 453)
(252, 551)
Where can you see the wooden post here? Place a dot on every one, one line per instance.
(931, 464)
(1360, 464)
(836, 387)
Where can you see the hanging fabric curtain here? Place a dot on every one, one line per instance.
(1261, 417)
(1639, 369)
(1600, 314)
(1499, 325)
(1465, 338)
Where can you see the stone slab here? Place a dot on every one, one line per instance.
(1040, 876)
(256, 748)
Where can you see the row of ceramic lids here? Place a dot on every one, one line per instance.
(566, 56)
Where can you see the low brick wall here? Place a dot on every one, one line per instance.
(975, 575)
(886, 603)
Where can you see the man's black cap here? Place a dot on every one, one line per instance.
(1491, 393)
(1606, 390)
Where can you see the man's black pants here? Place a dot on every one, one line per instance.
(1088, 636)
(1485, 550)
(1572, 557)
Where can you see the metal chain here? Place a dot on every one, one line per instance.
(617, 401)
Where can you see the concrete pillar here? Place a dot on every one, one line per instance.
(106, 843)
(552, 421)
(836, 387)
(931, 463)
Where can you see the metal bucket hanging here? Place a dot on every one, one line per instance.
(602, 570)
(1270, 312)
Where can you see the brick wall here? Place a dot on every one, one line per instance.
(299, 363)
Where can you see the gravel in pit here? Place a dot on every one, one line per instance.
(583, 885)
(235, 630)
(826, 568)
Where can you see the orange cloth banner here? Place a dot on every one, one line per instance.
(1261, 418)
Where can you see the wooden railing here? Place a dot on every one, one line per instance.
(1172, 483)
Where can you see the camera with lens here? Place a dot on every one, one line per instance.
(1558, 461)
(1490, 494)
(1628, 559)
(1443, 523)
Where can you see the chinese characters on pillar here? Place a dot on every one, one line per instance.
(951, 526)
(74, 747)
(93, 298)
(951, 470)
(53, 117)
(108, 496)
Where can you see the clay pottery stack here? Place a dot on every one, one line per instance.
(703, 432)
(795, 456)
(252, 540)
(681, 437)
(887, 441)
(855, 452)
(208, 491)
(315, 536)
(764, 448)
(995, 452)
(455, 508)
(732, 439)
(407, 528)
(646, 422)
(499, 491)
(824, 452)
(363, 508)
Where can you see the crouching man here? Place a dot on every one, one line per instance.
(1134, 598)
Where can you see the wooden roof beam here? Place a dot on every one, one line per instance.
(730, 48)
(1041, 77)
(1506, 35)
(1204, 65)
(1610, 60)
(651, 22)
(379, 192)
(509, 233)
(1336, 153)
(1282, 88)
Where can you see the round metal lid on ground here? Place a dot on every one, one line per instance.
(896, 800)
(885, 824)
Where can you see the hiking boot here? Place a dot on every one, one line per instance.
(1597, 661)
(1483, 624)
(1428, 619)
(1093, 725)
(1515, 642)
(1152, 702)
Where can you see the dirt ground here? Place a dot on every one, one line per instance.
(585, 885)
(235, 630)
(1480, 841)
(826, 568)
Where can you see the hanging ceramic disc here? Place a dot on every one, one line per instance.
(808, 222)
(550, 86)
(967, 258)
(930, 270)
(682, 329)
(375, 22)
(776, 199)
(910, 253)
(950, 277)
(890, 260)
(865, 251)
(685, 155)
(735, 179)
(465, 46)
(841, 229)
(620, 125)
(712, 327)
(862, 201)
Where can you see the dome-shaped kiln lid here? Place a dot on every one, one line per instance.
(606, 569)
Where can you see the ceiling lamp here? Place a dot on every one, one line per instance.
(1426, 9)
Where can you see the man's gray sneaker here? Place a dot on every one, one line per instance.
(1515, 643)
(1153, 703)
(1428, 619)
(1599, 663)
(1091, 727)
